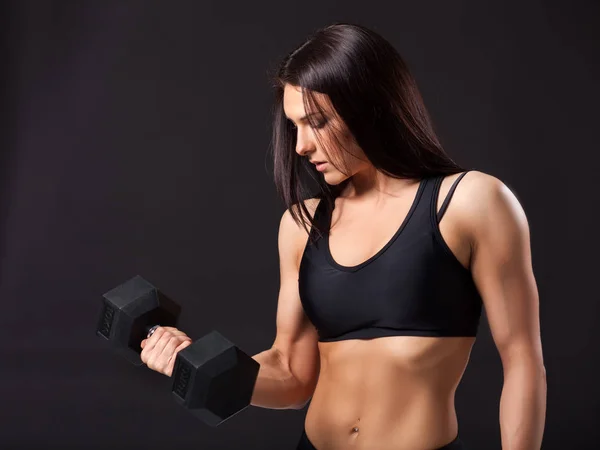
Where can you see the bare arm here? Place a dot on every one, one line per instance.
(290, 368)
(502, 270)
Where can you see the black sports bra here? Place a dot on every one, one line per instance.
(414, 286)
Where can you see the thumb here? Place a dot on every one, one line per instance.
(143, 343)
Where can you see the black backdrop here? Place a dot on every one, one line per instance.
(134, 140)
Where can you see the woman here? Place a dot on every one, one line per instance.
(380, 298)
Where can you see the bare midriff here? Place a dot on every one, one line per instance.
(390, 393)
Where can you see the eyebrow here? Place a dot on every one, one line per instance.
(303, 118)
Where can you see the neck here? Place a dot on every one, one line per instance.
(370, 184)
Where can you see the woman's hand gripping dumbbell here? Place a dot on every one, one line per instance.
(160, 348)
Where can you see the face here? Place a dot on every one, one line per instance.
(327, 140)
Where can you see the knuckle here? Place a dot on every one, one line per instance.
(161, 332)
(156, 335)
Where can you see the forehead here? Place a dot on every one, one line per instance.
(293, 104)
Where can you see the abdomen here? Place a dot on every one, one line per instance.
(397, 391)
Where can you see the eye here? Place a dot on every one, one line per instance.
(321, 124)
(318, 125)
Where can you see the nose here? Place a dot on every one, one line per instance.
(304, 142)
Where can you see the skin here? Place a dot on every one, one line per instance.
(159, 351)
(396, 392)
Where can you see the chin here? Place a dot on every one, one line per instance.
(333, 179)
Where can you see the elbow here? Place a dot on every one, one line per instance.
(304, 372)
(304, 393)
(303, 401)
(529, 366)
(520, 357)
(301, 406)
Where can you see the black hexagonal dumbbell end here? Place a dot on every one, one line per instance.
(214, 379)
(129, 311)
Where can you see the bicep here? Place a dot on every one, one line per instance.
(296, 339)
(502, 270)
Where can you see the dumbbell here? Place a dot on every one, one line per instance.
(212, 377)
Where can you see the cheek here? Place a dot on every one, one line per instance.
(354, 156)
(343, 151)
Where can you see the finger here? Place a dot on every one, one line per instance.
(160, 330)
(159, 347)
(163, 351)
(148, 352)
(170, 347)
(152, 340)
(177, 349)
(183, 345)
(171, 365)
(170, 328)
(174, 331)
(143, 343)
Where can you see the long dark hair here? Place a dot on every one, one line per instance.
(370, 88)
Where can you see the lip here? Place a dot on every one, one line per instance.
(320, 166)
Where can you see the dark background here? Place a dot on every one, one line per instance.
(134, 140)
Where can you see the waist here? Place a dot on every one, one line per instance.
(394, 422)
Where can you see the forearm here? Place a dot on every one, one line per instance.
(276, 387)
(523, 406)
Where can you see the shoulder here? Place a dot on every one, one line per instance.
(287, 220)
(474, 186)
(484, 203)
(292, 233)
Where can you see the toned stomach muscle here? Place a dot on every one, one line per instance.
(390, 393)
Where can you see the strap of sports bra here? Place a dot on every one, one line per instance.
(440, 214)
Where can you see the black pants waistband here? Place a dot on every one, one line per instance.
(305, 444)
